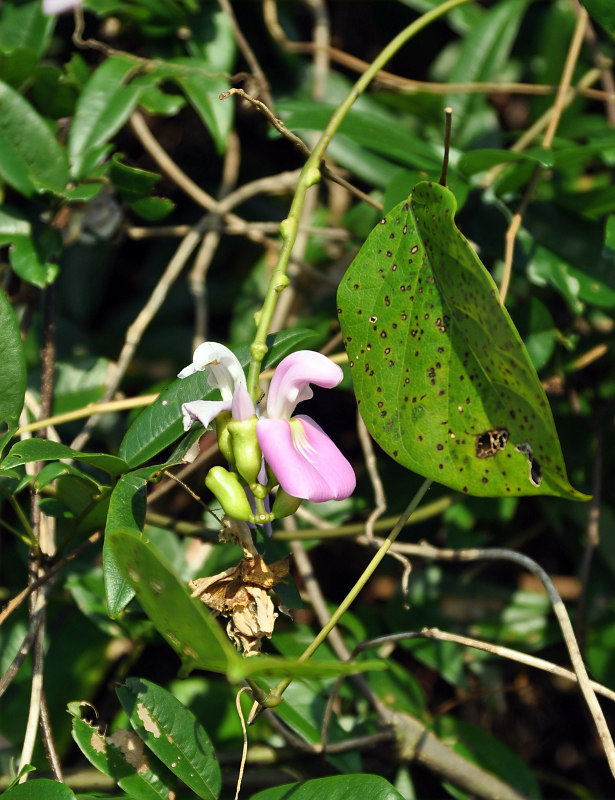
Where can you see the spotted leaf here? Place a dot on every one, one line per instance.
(442, 378)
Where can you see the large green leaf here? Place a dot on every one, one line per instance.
(336, 787)
(122, 756)
(46, 450)
(160, 424)
(126, 511)
(29, 163)
(12, 369)
(104, 105)
(443, 380)
(185, 623)
(173, 733)
(189, 627)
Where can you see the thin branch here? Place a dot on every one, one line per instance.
(16, 601)
(301, 146)
(426, 550)
(593, 526)
(487, 647)
(14, 666)
(405, 85)
(558, 107)
(247, 52)
(606, 74)
(35, 696)
(137, 329)
(244, 749)
(198, 274)
(48, 741)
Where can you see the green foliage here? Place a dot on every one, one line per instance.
(12, 369)
(100, 282)
(350, 787)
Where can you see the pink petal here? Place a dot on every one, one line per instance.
(291, 381)
(203, 411)
(58, 6)
(305, 461)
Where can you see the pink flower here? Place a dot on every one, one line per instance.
(303, 458)
(51, 7)
(306, 463)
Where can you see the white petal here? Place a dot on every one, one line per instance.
(225, 371)
(203, 411)
(58, 6)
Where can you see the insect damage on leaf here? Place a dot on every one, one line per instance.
(442, 378)
(490, 443)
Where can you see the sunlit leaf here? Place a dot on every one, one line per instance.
(335, 787)
(442, 378)
(174, 734)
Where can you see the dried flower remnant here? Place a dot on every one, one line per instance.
(241, 594)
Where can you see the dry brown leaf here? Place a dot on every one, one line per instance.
(241, 593)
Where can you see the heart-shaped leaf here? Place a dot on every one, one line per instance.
(442, 378)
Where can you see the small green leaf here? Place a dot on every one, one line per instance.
(126, 511)
(45, 450)
(103, 107)
(39, 789)
(26, 260)
(173, 734)
(32, 163)
(443, 380)
(12, 369)
(336, 787)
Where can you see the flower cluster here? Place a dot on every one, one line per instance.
(272, 448)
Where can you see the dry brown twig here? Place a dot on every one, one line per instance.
(300, 145)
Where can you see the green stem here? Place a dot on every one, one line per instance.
(310, 174)
(384, 548)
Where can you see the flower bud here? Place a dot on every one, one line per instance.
(229, 492)
(224, 438)
(247, 455)
(285, 504)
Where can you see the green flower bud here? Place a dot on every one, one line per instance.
(224, 437)
(285, 504)
(229, 492)
(247, 454)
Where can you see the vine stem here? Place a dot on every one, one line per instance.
(310, 174)
(275, 695)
